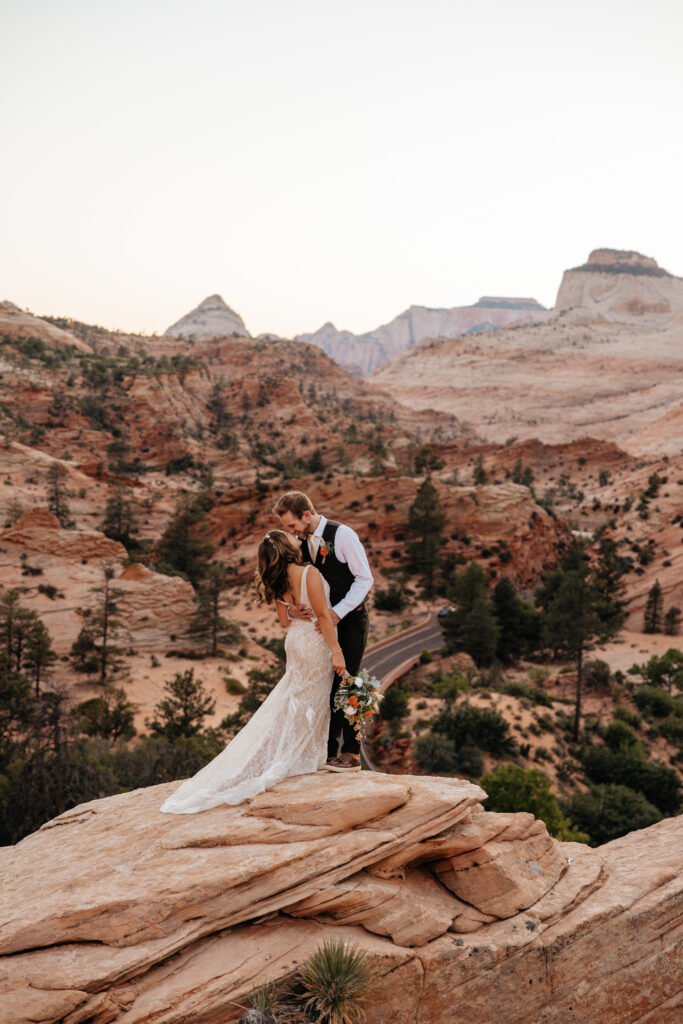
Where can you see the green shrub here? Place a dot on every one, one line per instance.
(597, 675)
(468, 725)
(394, 704)
(609, 811)
(630, 717)
(234, 686)
(511, 789)
(533, 693)
(658, 784)
(621, 736)
(652, 700)
(672, 729)
(435, 754)
(426, 657)
(448, 688)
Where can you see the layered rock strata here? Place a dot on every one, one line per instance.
(115, 912)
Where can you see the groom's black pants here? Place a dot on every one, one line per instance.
(352, 632)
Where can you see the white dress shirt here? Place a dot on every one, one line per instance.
(348, 549)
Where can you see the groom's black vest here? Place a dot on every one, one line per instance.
(337, 573)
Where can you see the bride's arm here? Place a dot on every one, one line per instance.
(321, 610)
(282, 607)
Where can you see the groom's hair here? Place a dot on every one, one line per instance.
(293, 501)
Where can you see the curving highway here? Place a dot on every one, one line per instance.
(385, 658)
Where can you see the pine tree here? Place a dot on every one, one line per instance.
(576, 616)
(95, 649)
(609, 581)
(120, 516)
(183, 547)
(58, 494)
(479, 631)
(14, 622)
(672, 621)
(654, 607)
(480, 474)
(183, 710)
(426, 520)
(472, 627)
(39, 653)
(208, 621)
(516, 621)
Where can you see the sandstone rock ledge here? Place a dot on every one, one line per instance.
(116, 912)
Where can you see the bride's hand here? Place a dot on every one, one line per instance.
(338, 663)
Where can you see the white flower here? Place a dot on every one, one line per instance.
(350, 712)
(374, 683)
(359, 681)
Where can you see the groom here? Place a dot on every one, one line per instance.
(338, 554)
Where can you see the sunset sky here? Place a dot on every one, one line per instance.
(316, 161)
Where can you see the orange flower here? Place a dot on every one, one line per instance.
(368, 714)
(353, 701)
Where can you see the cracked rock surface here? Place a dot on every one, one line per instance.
(114, 912)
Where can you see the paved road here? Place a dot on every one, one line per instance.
(385, 659)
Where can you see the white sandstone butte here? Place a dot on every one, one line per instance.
(212, 318)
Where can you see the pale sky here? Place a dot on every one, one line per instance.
(340, 161)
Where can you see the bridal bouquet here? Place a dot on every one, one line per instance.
(358, 697)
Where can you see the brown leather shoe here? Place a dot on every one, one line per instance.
(343, 763)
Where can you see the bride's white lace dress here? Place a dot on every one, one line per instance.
(286, 736)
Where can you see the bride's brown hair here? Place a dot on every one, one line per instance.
(275, 553)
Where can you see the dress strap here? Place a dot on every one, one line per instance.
(304, 588)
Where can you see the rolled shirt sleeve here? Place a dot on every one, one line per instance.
(348, 549)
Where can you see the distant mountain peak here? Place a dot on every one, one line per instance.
(212, 318)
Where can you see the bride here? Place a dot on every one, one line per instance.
(287, 735)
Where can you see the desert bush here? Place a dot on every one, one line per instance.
(630, 717)
(394, 705)
(653, 701)
(658, 784)
(671, 728)
(609, 811)
(596, 675)
(533, 693)
(468, 725)
(435, 754)
(619, 735)
(234, 686)
(512, 788)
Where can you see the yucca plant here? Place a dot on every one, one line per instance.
(265, 998)
(333, 981)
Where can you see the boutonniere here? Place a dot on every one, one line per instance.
(325, 549)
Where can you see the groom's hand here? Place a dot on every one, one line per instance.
(300, 611)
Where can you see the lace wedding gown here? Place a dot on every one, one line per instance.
(286, 736)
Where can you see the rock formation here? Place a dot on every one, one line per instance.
(151, 606)
(212, 318)
(621, 285)
(16, 323)
(116, 912)
(576, 375)
(363, 353)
